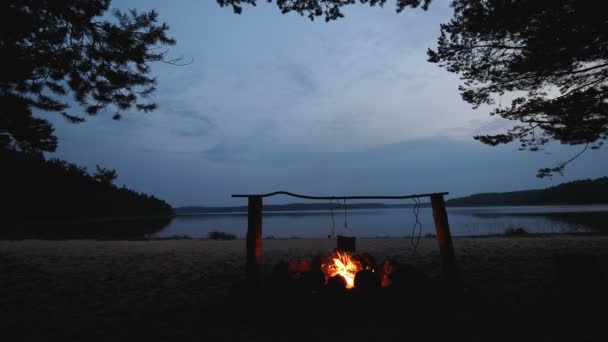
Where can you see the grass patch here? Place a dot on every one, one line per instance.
(516, 231)
(217, 235)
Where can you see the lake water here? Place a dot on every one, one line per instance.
(397, 222)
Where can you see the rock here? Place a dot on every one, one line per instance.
(367, 281)
(336, 284)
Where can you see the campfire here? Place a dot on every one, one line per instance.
(342, 271)
(337, 269)
(344, 265)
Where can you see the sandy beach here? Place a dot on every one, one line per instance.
(94, 284)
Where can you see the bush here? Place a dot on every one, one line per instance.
(217, 235)
(519, 231)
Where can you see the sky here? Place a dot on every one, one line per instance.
(277, 102)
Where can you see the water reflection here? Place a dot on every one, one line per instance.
(395, 222)
(399, 222)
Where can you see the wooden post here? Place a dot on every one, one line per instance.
(254, 240)
(446, 248)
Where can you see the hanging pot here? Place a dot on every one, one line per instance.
(347, 243)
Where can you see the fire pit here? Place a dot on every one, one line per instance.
(341, 271)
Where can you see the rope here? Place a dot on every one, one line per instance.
(415, 240)
(345, 225)
(345, 221)
(333, 223)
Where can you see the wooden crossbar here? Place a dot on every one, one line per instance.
(340, 197)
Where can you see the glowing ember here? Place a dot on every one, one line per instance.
(344, 265)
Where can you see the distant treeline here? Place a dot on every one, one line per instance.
(578, 192)
(292, 207)
(35, 189)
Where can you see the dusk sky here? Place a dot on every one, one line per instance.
(277, 102)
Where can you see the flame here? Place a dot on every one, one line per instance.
(344, 265)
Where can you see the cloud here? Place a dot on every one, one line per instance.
(192, 124)
(228, 152)
(342, 124)
(300, 75)
(190, 132)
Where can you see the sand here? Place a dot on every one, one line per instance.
(91, 283)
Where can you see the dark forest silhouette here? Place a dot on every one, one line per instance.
(577, 192)
(35, 189)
